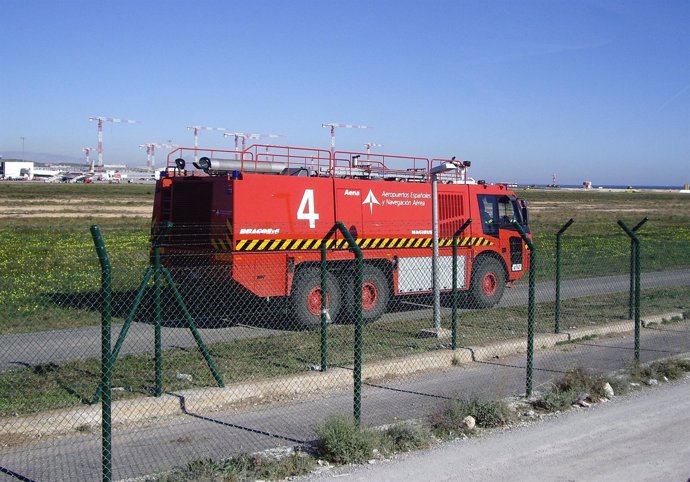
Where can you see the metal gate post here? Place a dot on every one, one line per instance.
(631, 295)
(454, 316)
(557, 322)
(324, 318)
(635, 260)
(531, 307)
(359, 325)
(158, 351)
(106, 365)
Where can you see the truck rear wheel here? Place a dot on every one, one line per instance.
(306, 297)
(375, 295)
(488, 283)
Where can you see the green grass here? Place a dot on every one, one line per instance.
(94, 192)
(45, 260)
(595, 244)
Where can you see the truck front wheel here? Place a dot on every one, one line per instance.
(488, 283)
(307, 297)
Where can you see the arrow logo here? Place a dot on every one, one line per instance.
(371, 200)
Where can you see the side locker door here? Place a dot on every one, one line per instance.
(348, 208)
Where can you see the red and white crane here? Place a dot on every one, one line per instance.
(196, 130)
(87, 152)
(369, 145)
(151, 153)
(100, 121)
(332, 126)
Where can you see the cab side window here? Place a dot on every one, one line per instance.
(488, 211)
(497, 212)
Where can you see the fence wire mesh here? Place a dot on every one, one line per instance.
(238, 369)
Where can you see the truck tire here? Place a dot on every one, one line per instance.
(306, 297)
(488, 283)
(375, 295)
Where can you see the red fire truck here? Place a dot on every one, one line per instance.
(259, 216)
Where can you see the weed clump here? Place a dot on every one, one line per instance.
(574, 385)
(243, 467)
(404, 437)
(449, 421)
(672, 369)
(341, 441)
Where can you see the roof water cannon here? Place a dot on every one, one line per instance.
(211, 165)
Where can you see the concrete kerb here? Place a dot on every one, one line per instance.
(658, 319)
(64, 421)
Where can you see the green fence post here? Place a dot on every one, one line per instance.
(125, 328)
(324, 318)
(359, 325)
(454, 316)
(557, 322)
(531, 307)
(106, 365)
(157, 329)
(631, 294)
(636, 280)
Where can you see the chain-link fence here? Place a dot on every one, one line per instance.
(138, 357)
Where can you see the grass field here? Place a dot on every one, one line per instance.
(47, 254)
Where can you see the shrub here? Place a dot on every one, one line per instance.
(341, 441)
(487, 413)
(404, 437)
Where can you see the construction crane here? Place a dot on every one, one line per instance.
(151, 153)
(100, 121)
(332, 126)
(87, 152)
(196, 130)
(369, 145)
(244, 136)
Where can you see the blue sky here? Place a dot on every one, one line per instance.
(589, 90)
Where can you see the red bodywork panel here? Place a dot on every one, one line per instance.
(263, 226)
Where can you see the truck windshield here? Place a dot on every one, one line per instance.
(499, 212)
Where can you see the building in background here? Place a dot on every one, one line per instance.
(17, 170)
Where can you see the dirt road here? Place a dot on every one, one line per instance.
(641, 437)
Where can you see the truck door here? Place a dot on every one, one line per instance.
(498, 212)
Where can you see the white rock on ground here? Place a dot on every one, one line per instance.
(608, 390)
(469, 422)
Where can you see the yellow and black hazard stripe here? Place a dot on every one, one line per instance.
(247, 245)
(223, 243)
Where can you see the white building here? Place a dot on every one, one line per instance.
(17, 170)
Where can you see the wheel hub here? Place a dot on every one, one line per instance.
(370, 295)
(490, 284)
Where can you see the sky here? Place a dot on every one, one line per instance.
(587, 90)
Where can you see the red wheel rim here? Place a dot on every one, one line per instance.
(314, 301)
(490, 284)
(370, 295)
